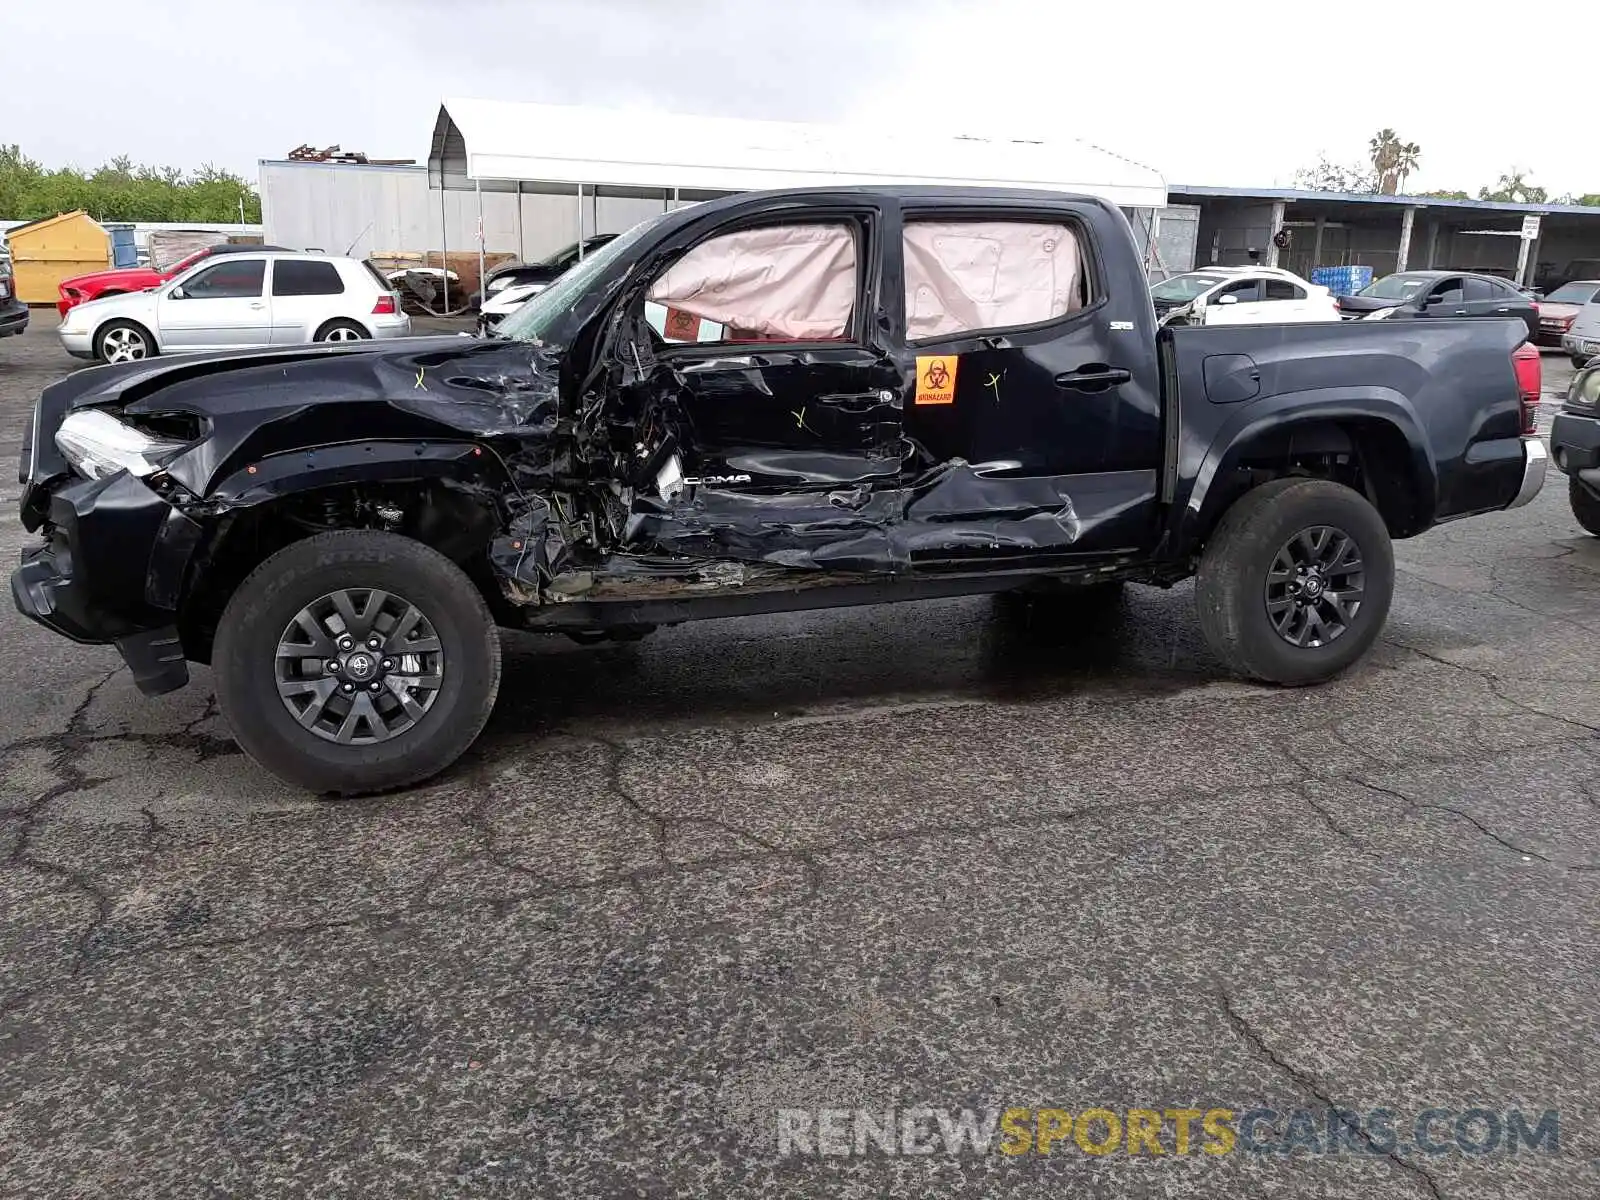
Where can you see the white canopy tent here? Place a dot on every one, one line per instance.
(494, 146)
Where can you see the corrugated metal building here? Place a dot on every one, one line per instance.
(541, 169)
(369, 210)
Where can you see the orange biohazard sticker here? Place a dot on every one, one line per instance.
(682, 326)
(936, 378)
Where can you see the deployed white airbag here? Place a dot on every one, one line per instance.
(790, 282)
(965, 275)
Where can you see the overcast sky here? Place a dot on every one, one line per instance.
(1234, 92)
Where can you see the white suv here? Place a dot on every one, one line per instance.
(240, 302)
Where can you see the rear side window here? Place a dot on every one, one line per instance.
(965, 276)
(383, 284)
(1479, 289)
(294, 277)
(1282, 289)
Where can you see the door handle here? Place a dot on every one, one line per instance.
(1504, 310)
(858, 402)
(1460, 312)
(258, 304)
(1093, 377)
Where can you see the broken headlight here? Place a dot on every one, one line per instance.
(98, 445)
(1584, 391)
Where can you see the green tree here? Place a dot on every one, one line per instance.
(1514, 188)
(1327, 176)
(1445, 194)
(122, 190)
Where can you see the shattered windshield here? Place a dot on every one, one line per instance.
(538, 315)
(1184, 287)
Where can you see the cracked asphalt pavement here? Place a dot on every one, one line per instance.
(867, 858)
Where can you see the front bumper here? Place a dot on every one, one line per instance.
(1580, 347)
(110, 569)
(77, 342)
(13, 317)
(1575, 445)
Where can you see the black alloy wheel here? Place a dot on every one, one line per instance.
(1315, 586)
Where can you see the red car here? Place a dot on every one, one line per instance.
(96, 284)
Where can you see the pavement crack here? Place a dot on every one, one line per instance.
(1324, 1095)
(65, 761)
(660, 823)
(1333, 825)
(617, 754)
(1495, 685)
(1462, 815)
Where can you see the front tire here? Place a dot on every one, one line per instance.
(1580, 361)
(355, 662)
(124, 341)
(1295, 583)
(1585, 506)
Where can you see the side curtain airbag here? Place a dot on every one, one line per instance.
(964, 275)
(790, 282)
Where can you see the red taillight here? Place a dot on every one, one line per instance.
(1530, 381)
(384, 306)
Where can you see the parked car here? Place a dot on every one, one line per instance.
(1441, 294)
(538, 275)
(983, 405)
(1241, 296)
(13, 312)
(1575, 445)
(503, 302)
(237, 302)
(1582, 339)
(97, 284)
(1560, 308)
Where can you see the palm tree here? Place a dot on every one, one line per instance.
(1392, 159)
(1405, 162)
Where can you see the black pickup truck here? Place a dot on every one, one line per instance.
(771, 402)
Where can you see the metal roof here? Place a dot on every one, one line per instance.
(1295, 195)
(500, 145)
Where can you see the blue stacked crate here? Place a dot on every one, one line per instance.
(1342, 281)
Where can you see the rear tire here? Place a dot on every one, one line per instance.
(124, 341)
(1295, 583)
(259, 688)
(1585, 506)
(342, 331)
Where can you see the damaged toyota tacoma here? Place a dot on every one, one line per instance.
(769, 402)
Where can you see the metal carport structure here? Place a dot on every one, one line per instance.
(496, 146)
